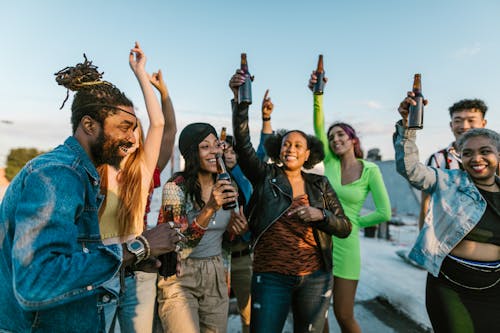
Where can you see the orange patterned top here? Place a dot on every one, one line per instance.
(288, 247)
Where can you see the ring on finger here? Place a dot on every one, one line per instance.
(171, 224)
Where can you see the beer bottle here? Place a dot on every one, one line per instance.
(320, 75)
(223, 174)
(416, 112)
(245, 90)
(223, 134)
(168, 260)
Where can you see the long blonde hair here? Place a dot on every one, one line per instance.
(131, 206)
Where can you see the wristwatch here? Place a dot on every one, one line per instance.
(137, 248)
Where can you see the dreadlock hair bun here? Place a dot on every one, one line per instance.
(94, 97)
(79, 76)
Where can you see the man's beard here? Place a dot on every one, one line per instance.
(106, 151)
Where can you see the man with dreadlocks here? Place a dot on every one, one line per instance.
(55, 271)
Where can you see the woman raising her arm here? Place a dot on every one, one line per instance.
(352, 178)
(292, 216)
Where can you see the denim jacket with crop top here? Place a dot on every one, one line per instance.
(53, 265)
(456, 204)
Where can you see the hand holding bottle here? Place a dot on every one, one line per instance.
(404, 106)
(236, 81)
(314, 79)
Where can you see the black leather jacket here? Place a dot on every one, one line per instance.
(272, 195)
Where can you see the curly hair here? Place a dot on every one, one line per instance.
(273, 147)
(94, 98)
(469, 104)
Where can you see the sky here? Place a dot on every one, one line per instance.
(371, 51)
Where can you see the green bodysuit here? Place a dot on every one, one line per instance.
(346, 252)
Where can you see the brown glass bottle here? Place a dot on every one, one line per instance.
(416, 112)
(320, 75)
(168, 260)
(223, 134)
(223, 174)
(245, 90)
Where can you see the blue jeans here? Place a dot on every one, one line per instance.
(134, 310)
(273, 294)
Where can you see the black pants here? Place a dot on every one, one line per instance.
(464, 298)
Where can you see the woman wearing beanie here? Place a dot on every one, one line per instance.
(196, 299)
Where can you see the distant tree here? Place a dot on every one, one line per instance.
(17, 158)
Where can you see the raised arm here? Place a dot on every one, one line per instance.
(252, 166)
(267, 129)
(319, 117)
(170, 128)
(137, 61)
(407, 161)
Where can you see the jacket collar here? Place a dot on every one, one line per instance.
(73, 144)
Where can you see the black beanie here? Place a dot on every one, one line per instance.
(193, 134)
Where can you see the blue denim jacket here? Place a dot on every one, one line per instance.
(456, 205)
(53, 265)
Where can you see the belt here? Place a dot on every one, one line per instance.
(237, 254)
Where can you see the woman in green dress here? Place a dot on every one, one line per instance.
(352, 178)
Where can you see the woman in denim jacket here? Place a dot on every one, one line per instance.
(292, 216)
(459, 244)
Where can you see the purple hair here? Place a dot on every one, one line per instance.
(351, 133)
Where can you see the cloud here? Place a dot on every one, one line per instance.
(373, 105)
(366, 129)
(468, 51)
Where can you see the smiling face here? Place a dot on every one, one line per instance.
(464, 120)
(207, 151)
(294, 151)
(340, 142)
(115, 138)
(480, 158)
(230, 157)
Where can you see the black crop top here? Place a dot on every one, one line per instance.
(488, 228)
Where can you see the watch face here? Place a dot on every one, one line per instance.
(134, 246)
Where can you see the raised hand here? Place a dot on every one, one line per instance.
(137, 59)
(236, 81)
(313, 79)
(267, 106)
(404, 106)
(157, 81)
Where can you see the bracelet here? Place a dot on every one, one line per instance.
(145, 242)
(266, 118)
(198, 225)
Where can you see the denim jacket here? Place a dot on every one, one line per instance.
(53, 265)
(456, 204)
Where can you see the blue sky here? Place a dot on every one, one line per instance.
(371, 51)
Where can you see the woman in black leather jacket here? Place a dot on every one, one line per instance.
(292, 216)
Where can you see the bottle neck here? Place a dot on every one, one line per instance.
(221, 167)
